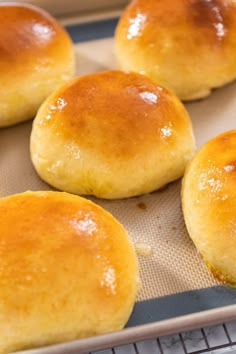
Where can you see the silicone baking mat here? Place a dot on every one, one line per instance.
(175, 282)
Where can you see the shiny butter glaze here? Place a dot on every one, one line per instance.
(111, 134)
(212, 15)
(217, 178)
(115, 114)
(36, 57)
(144, 20)
(29, 37)
(67, 270)
(209, 204)
(187, 45)
(213, 178)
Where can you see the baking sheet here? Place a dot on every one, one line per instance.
(174, 280)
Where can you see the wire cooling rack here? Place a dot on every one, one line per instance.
(215, 340)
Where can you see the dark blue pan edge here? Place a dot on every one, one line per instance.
(84, 32)
(180, 304)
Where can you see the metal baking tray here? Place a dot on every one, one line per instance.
(178, 293)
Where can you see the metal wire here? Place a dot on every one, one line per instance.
(205, 338)
(184, 348)
(183, 344)
(159, 346)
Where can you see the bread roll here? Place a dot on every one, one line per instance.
(36, 56)
(112, 135)
(67, 268)
(187, 45)
(209, 205)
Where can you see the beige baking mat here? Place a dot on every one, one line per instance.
(156, 219)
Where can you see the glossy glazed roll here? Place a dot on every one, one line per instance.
(68, 270)
(111, 134)
(187, 45)
(209, 205)
(36, 56)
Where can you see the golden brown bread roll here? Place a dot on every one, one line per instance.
(36, 56)
(111, 134)
(209, 204)
(67, 268)
(187, 45)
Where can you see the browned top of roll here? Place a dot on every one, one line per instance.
(214, 174)
(116, 113)
(29, 35)
(209, 204)
(187, 45)
(207, 22)
(68, 270)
